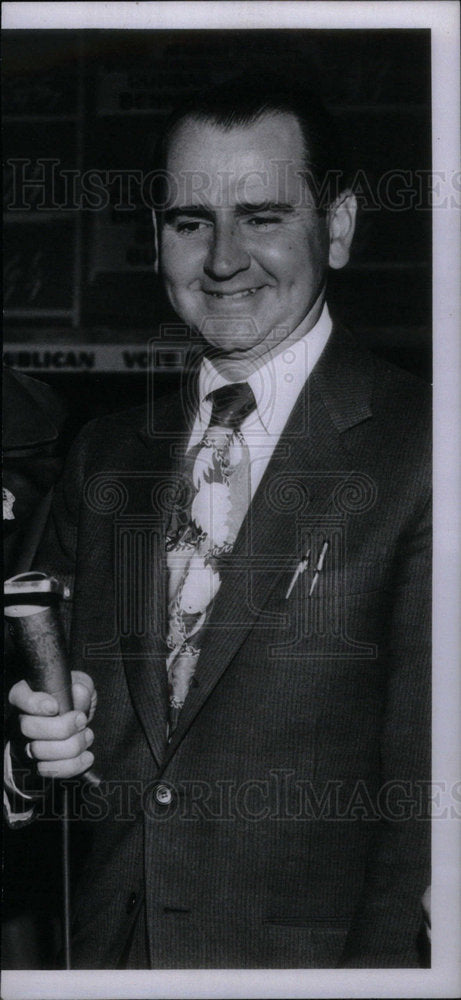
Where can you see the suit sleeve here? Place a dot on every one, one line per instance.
(385, 928)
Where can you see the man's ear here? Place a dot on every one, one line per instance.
(156, 241)
(341, 227)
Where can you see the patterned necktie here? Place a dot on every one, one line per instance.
(220, 472)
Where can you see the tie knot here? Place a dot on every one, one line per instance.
(231, 404)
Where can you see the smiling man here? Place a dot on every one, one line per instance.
(245, 262)
(244, 255)
(250, 599)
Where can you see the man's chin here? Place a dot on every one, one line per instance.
(227, 336)
(231, 333)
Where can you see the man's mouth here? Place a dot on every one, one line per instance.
(243, 293)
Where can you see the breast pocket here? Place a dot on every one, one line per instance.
(330, 623)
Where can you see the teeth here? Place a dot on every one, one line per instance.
(233, 295)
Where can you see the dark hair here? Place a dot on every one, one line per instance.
(243, 100)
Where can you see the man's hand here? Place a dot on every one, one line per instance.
(59, 744)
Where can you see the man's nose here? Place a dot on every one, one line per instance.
(226, 254)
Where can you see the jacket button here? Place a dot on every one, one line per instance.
(163, 795)
(131, 902)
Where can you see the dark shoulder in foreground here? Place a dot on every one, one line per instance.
(115, 432)
(32, 412)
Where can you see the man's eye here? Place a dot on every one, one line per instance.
(190, 226)
(263, 221)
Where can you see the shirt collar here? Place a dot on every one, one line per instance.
(277, 383)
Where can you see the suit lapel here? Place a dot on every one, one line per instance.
(308, 462)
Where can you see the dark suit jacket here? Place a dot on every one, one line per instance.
(291, 829)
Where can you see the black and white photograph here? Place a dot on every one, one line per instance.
(230, 396)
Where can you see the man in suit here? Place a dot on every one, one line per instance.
(250, 592)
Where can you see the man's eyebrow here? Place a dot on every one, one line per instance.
(241, 208)
(193, 211)
(276, 207)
